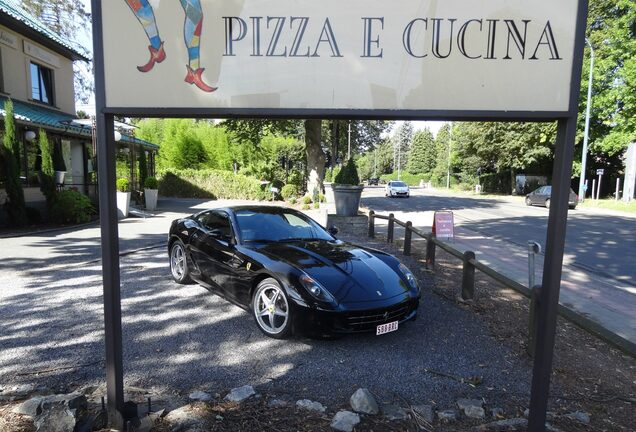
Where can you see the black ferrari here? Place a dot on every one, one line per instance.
(290, 273)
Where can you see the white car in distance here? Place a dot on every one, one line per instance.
(396, 188)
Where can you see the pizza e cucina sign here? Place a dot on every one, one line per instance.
(407, 55)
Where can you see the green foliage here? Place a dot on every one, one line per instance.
(408, 178)
(402, 140)
(305, 207)
(348, 175)
(422, 156)
(151, 183)
(15, 195)
(293, 200)
(47, 173)
(307, 199)
(33, 216)
(322, 198)
(315, 195)
(143, 166)
(70, 206)
(123, 185)
(316, 205)
(210, 184)
(288, 191)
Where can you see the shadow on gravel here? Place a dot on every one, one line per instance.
(182, 338)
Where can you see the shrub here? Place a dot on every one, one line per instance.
(348, 175)
(151, 183)
(305, 207)
(292, 201)
(288, 191)
(70, 206)
(307, 199)
(47, 173)
(211, 184)
(123, 185)
(316, 205)
(322, 198)
(33, 215)
(315, 195)
(15, 195)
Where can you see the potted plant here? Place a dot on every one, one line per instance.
(123, 197)
(150, 193)
(347, 190)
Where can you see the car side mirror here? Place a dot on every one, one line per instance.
(333, 230)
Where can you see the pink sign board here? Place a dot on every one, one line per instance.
(443, 224)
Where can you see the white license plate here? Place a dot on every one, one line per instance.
(386, 328)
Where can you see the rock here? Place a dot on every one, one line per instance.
(184, 418)
(497, 413)
(240, 394)
(474, 412)
(55, 417)
(462, 404)
(200, 396)
(34, 406)
(503, 425)
(309, 405)
(579, 416)
(345, 421)
(394, 412)
(447, 416)
(362, 401)
(277, 403)
(426, 411)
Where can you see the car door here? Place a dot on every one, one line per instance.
(216, 252)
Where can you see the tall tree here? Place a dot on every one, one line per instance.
(70, 20)
(11, 146)
(422, 154)
(402, 144)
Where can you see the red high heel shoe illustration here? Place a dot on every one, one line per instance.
(156, 56)
(194, 77)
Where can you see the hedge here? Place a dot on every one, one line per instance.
(211, 184)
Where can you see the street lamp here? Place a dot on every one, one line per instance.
(587, 124)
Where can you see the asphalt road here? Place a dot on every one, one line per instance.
(600, 241)
(180, 338)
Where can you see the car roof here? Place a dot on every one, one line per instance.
(254, 208)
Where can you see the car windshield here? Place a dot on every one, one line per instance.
(398, 184)
(277, 225)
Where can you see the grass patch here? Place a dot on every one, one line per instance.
(611, 204)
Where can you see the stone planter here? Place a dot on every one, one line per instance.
(59, 177)
(150, 195)
(123, 204)
(347, 199)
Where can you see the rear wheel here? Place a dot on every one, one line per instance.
(528, 201)
(547, 203)
(572, 207)
(179, 263)
(272, 310)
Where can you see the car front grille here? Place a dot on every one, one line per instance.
(368, 320)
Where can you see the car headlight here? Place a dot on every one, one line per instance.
(315, 289)
(409, 276)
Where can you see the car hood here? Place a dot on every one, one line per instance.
(352, 274)
(399, 188)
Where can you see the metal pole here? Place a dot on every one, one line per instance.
(450, 142)
(553, 262)
(349, 142)
(530, 264)
(598, 189)
(587, 122)
(618, 187)
(593, 188)
(109, 232)
(375, 166)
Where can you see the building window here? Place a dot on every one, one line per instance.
(41, 84)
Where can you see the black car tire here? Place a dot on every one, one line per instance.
(547, 203)
(528, 201)
(572, 207)
(179, 263)
(272, 309)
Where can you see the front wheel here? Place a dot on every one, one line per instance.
(547, 203)
(272, 310)
(528, 201)
(179, 263)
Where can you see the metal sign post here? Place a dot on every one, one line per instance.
(599, 173)
(245, 73)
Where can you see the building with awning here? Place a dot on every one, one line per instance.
(36, 73)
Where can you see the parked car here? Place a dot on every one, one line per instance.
(397, 188)
(290, 273)
(373, 181)
(542, 196)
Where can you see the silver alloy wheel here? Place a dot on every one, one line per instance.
(177, 261)
(271, 308)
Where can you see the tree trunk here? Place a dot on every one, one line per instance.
(315, 155)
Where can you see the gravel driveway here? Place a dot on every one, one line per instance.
(181, 338)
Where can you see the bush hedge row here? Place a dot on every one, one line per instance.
(211, 184)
